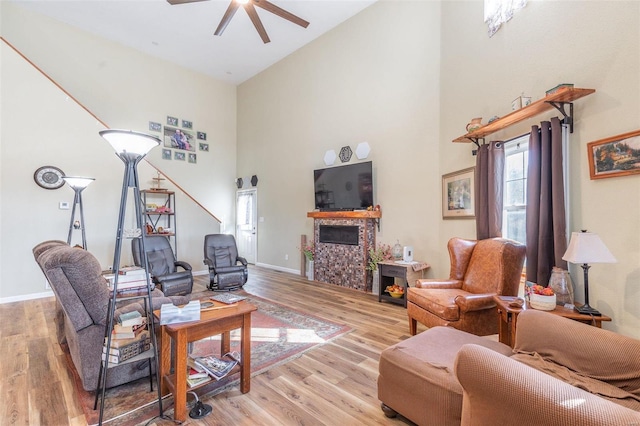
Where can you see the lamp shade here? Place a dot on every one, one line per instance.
(78, 182)
(587, 247)
(128, 141)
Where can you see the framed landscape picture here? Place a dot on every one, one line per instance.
(458, 194)
(614, 156)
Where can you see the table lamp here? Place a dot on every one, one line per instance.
(585, 248)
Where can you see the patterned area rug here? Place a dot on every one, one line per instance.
(278, 335)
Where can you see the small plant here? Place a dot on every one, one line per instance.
(377, 255)
(309, 251)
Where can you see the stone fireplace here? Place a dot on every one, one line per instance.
(342, 241)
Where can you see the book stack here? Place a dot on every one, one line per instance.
(130, 279)
(196, 375)
(217, 367)
(129, 338)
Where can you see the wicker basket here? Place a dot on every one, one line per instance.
(542, 303)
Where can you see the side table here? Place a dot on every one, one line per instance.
(508, 318)
(405, 271)
(212, 322)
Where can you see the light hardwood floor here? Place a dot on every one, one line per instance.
(334, 384)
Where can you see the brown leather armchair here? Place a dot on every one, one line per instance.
(479, 270)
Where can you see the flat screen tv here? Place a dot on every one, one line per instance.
(347, 187)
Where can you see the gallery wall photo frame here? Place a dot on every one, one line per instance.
(166, 154)
(615, 156)
(172, 121)
(458, 197)
(179, 139)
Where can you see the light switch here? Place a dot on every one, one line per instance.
(261, 219)
(64, 205)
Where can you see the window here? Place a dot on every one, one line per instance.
(515, 189)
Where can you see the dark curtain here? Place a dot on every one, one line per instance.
(489, 184)
(546, 224)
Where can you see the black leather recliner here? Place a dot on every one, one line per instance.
(221, 256)
(163, 265)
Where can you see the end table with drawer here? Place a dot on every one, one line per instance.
(405, 272)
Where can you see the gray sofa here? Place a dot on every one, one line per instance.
(82, 293)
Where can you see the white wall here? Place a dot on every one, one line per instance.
(125, 89)
(592, 44)
(374, 78)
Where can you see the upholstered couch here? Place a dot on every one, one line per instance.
(444, 376)
(80, 289)
(562, 372)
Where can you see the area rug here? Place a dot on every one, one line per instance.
(278, 335)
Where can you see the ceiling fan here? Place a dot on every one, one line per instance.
(249, 6)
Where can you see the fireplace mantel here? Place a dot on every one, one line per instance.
(357, 214)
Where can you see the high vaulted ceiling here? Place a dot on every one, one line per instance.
(183, 33)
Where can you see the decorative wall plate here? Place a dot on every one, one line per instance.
(345, 154)
(49, 177)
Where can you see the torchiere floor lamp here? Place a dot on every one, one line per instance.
(78, 184)
(131, 147)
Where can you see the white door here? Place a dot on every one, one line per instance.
(246, 220)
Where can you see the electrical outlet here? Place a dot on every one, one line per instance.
(286, 257)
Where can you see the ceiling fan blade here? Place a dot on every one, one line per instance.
(231, 10)
(266, 5)
(183, 1)
(253, 15)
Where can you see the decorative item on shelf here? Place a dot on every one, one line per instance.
(157, 181)
(558, 88)
(78, 184)
(542, 298)
(560, 283)
(474, 125)
(516, 104)
(492, 119)
(397, 251)
(526, 100)
(585, 248)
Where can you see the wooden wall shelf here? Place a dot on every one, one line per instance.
(358, 214)
(556, 100)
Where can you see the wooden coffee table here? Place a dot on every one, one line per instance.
(220, 320)
(508, 318)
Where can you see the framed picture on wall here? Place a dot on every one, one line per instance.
(614, 156)
(179, 139)
(458, 200)
(166, 154)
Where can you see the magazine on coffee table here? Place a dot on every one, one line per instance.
(218, 367)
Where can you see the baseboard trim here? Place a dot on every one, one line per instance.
(24, 297)
(279, 268)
